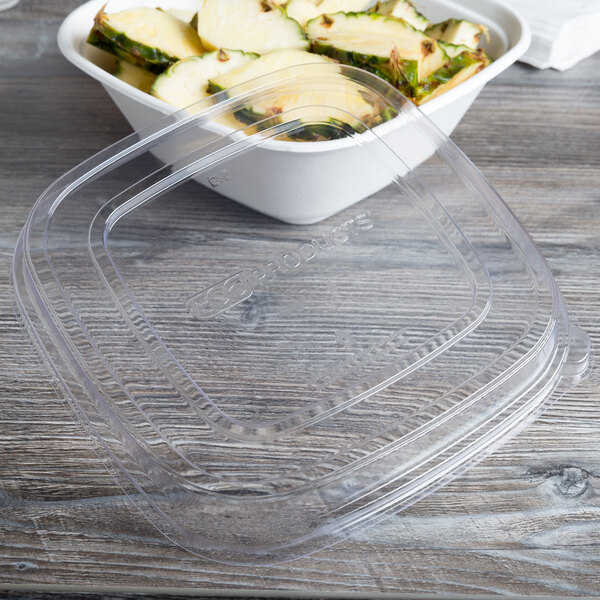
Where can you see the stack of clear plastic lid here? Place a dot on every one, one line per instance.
(267, 387)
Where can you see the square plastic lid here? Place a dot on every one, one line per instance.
(265, 387)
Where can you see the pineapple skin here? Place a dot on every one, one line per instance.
(97, 39)
(474, 61)
(137, 50)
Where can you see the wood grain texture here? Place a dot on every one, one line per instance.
(525, 521)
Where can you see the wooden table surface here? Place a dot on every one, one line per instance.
(526, 521)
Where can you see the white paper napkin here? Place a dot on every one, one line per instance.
(563, 32)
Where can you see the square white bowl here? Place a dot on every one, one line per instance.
(305, 162)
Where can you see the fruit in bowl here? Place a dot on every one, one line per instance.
(182, 57)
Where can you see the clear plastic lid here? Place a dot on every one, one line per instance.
(266, 387)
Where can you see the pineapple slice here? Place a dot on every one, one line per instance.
(186, 82)
(315, 105)
(139, 78)
(249, 25)
(464, 63)
(402, 9)
(305, 10)
(150, 34)
(458, 32)
(387, 46)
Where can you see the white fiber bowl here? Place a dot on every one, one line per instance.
(303, 164)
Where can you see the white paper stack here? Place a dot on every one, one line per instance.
(563, 32)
